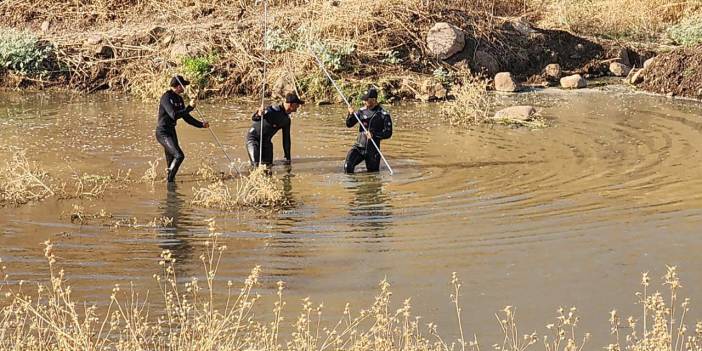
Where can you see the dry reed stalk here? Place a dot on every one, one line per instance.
(257, 190)
(22, 181)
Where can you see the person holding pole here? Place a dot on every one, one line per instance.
(376, 125)
(171, 108)
(266, 123)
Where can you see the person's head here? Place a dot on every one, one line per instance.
(370, 99)
(292, 103)
(178, 84)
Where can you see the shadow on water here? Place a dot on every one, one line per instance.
(175, 238)
(369, 208)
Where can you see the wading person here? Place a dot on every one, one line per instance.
(171, 108)
(379, 125)
(275, 118)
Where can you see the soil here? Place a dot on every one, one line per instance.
(678, 72)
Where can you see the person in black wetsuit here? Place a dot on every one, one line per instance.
(171, 108)
(379, 125)
(275, 118)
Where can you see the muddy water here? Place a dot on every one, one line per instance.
(568, 215)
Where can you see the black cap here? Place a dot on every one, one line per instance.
(292, 98)
(178, 80)
(371, 94)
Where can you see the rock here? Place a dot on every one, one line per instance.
(648, 62)
(484, 62)
(45, 26)
(619, 69)
(521, 113)
(432, 90)
(523, 27)
(282, 86)
(637, 77)
(94, 39)
(553, 71)
(504, 82)
(575, 81)
(440, 91)
(445, 40)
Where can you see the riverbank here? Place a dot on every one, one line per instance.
(412, 50)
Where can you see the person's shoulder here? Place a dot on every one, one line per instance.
(166, 94)
(275, 108)
(383, 111)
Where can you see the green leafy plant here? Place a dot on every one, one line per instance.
(392, 57)
(199, 67)
(23, 53)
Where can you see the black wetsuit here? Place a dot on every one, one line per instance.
(379, 123)
(274, 119)
(171, 108)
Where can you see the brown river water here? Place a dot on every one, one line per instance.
(567, 215)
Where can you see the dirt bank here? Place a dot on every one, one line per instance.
(678, 72)
(134, 46)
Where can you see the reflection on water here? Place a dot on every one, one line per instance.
(176, 237)
(565, 215)
(370, 210)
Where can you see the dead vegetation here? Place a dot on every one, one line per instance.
(472, 104)
(222, 49)
(258, 190)
(23, 181)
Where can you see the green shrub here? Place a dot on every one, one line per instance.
(22, 52)
(688, 31)
(199, 67)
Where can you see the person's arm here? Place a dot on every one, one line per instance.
(351, 120)
(193, 121)
(171, 110)
(386, 132)
(286, 142)
(257, 115)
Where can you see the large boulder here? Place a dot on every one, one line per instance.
(504, 82)
(484, 62)
(575, 81)
(445, 40)
(520, 113)
(619, 69)
(553, 71)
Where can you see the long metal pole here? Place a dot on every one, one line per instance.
(263, 83)
(213, 133)
(338, 89)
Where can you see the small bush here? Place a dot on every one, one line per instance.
(472, 104)
(687, 32)
(199, 67)
(22, 52)
(257, 190)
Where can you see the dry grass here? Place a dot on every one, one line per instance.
(192, 318)
(22, 181)
(472, 104)
(635, 19)
(232, 31)
(151, 173)
(257, 190)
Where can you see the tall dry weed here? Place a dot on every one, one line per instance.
(256, 190)
(22, 181)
